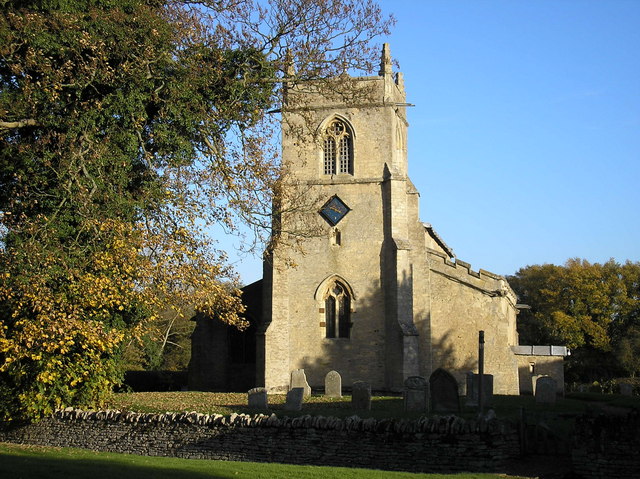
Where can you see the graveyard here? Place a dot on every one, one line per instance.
(420, 432)
(382, 406)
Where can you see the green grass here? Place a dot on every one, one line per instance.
(30, 462)
(507, 407)
(615, 400)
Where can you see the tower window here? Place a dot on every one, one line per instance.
(337, 310)
(338, 149)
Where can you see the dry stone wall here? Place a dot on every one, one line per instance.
(436, 444)
(607, 447)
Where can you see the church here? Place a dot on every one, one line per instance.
(375, 294)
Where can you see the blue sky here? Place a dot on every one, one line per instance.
(524, 141)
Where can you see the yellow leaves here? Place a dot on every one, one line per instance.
(47, 377)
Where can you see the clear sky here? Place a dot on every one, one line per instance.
(524, 141)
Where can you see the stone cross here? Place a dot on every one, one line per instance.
(258, 398)
(333, 384)
(361, 396)
(415, 393)
(294, 400)
(299, 380)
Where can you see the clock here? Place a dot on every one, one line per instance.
(334, 210)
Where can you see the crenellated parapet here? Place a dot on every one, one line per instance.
(460, 271)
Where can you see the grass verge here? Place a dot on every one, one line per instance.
(30, 462)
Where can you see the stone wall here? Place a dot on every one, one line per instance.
(607, 446)
(436, 444)
(534, 361)
(464, 302)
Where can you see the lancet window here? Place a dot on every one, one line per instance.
(337, 310)
(338, 149)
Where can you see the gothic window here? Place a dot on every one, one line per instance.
(338, 149)
(337, 309)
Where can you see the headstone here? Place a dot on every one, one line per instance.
(294, 399)
(534, 380)
(258, 398)
(546, 390)
(361, 396)
(299, 380)
(333, 384)
(444, 392)
(626, 389)
(415, 393)
(473, 388)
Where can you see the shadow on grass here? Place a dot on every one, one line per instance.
(31, 462)
(28, 464)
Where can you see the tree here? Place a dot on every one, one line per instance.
(127, 129)
(591, 308)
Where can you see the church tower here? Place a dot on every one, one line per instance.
(373, 292)
(347, 304)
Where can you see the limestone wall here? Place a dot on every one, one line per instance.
(464, 302)
(296, 334)
(546, 365)
(439, 444)
(356, 262)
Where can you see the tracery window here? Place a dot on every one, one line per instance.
(337, 308)
(338, 149)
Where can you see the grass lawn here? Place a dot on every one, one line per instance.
(31, 462)
(382, 406)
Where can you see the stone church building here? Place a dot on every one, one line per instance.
(377, 295)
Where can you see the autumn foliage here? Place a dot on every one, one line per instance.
(593, 308)
(128, 128)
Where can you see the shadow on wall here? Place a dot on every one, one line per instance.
(360, 356)
(366, 356)
(446, 356)
(224, 359)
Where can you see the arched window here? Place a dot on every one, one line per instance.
(337, 310)
(338, 149)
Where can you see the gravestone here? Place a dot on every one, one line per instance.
(333, 384)
(258, 398)
(546, 390)
(626, 389)
(444, 392)
(294, 399)
(299, 380)
(415, 393)
(473, 388)
(534, 380)
(361, 396)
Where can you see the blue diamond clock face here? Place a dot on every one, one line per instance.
(334, 210)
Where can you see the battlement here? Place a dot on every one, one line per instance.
(489, 283)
